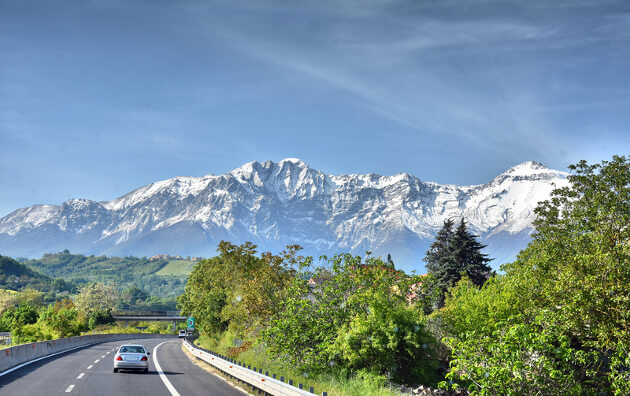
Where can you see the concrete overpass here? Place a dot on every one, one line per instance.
(150, 318)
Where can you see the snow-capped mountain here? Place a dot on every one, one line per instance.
(277, 204)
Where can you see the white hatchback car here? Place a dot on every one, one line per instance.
(131, 357)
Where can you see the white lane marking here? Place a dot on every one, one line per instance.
(168, 384)
(90, 367)
(80, 375)
(97, 360)
(44, 357)
(69, 389)
(102, 357)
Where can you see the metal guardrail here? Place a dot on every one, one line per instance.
(259, 381)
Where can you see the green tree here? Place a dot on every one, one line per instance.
(353, 317)
(455, 253)
(204, 297)
(238, 289)
(96, 300)
(570, 295)
(441, 261)
(8, 300)
(61, 318)
(467, 252)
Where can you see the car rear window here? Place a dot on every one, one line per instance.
(131, 349)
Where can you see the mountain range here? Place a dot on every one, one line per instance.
(277, 204)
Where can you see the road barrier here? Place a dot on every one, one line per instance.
(25, 353)
(257, 380)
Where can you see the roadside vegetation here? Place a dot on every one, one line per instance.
(556, 321)
(29, 318)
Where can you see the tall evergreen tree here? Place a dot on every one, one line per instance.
(467, 252)
(453, 253)
(441, 261)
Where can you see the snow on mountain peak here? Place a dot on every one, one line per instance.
(296, 161)
(276, 203)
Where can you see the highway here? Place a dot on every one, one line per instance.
(89, 371)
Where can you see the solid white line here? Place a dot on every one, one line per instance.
(69, 389)
(97, 360)
(168, 384)
(80, 375)
(42, 358)
(90, 367)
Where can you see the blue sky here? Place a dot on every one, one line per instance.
(100, 97)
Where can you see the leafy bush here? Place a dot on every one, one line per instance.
(357, 318)
(557, 322)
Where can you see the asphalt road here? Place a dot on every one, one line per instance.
(89, 371)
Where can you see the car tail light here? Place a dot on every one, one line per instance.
(119, 357)
(144, 359)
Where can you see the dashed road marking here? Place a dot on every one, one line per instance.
(69, 389)
(80, 375)
(103, 357)
(90, 367)
(42, 358)
(97, 360)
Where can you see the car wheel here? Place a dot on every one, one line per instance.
(115, 370)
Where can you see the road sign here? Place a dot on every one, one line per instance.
(190, 323)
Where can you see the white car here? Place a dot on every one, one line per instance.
(131, 357)
(182, 334)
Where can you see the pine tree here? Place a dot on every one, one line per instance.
(467, 252)
(441, 261)
(454, 253)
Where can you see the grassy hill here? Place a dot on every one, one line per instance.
(177, 267)
(16, 276)
(162, 278)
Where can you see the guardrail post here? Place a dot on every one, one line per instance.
(311, 389)
(324, 393)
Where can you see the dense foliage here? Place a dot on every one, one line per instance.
(356, 316)
(28, 318)
(125, 272)
(238, 289)
(558, 321)
(17, 276)
(350, 316)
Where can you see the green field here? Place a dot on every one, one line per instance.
(177, 267)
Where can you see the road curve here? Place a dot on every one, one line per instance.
(89, 371)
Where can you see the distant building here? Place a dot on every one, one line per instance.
(165, 257)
